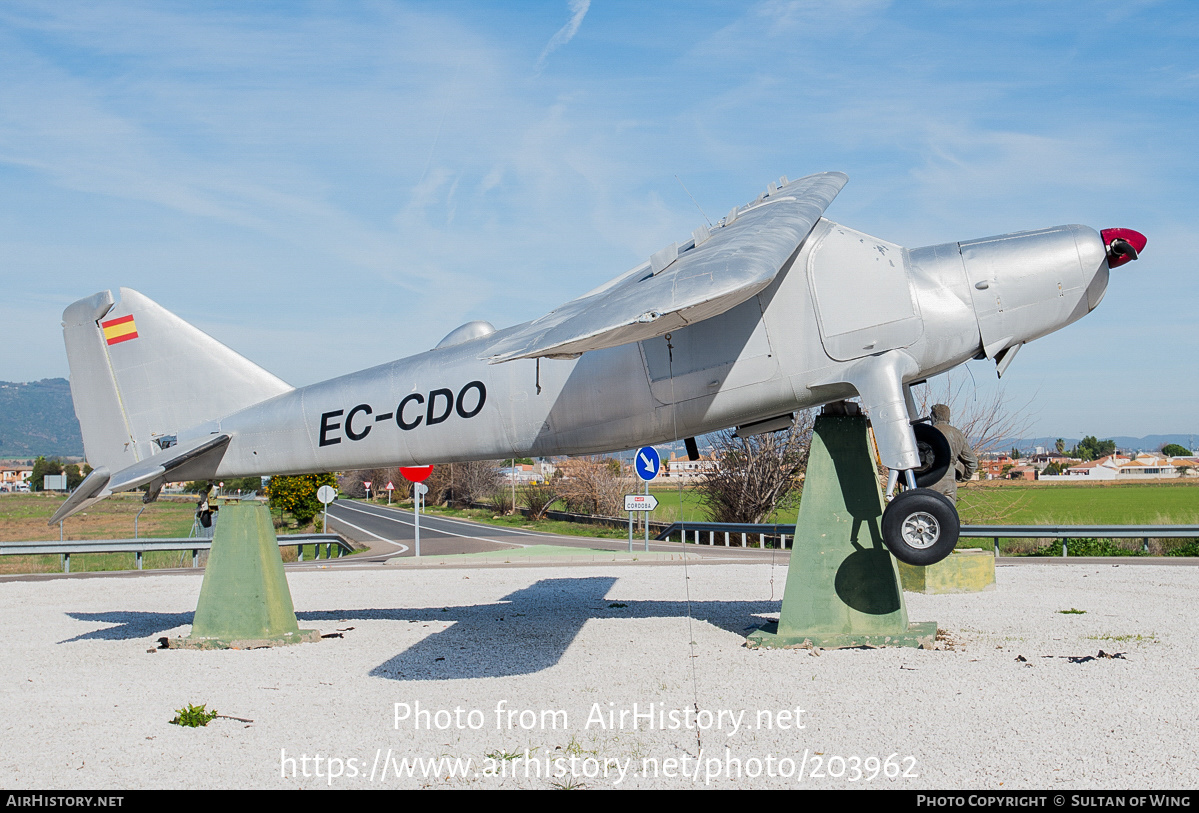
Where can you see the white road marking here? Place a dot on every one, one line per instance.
(399, 545)
(474, 524)
(403, 521)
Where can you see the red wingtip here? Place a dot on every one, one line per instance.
(1118, 242)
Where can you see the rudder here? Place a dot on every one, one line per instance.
(140, 374)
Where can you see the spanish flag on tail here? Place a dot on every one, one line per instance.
(119, 330)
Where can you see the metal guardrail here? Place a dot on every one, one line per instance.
(745, 529)
(1065, 532)
(180, 543)
(996, 532)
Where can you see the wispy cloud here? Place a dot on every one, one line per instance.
(578, 10)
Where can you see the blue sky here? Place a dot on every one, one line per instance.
(327, 186)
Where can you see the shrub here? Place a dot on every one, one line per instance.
(538, 499)
(1086, 547)
(502, 500)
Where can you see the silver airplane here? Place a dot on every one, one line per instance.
(772, 310)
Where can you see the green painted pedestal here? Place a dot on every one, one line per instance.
(244, 600)
(842, 584)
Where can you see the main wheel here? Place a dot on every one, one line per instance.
(935, 455)
(920, 526)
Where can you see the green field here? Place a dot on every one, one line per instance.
(23, 519)
(1032, 504)
(675, 505)
(1094, 504)
(1015, 504)
(685, 506)
(1116, 504)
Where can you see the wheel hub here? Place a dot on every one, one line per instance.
(921, 530)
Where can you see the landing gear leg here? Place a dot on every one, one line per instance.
(920, 527)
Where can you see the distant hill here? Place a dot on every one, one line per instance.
(38, 418)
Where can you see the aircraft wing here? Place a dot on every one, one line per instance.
(717, 269)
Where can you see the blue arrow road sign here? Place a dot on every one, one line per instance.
(647, 463)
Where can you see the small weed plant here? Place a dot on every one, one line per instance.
(194, 716)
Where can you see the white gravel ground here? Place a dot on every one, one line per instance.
(84, 705)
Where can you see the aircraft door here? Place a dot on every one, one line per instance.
(865, 302)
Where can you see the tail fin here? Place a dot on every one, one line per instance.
(140, 374)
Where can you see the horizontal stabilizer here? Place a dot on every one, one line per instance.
(682, 284)
(101, 483)
(90, 491)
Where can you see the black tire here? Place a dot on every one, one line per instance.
(935, 455)
(920, 527)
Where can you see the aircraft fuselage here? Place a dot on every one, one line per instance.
(845, 305)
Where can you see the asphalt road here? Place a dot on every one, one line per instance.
(390, 532)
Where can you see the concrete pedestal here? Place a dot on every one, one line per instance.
(842, 584)
(244, 599)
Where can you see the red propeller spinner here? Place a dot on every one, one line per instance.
(1123, 245)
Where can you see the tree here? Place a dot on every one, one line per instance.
(1014, 454)
(462, 483)
(246, 485)
(1175, 450)
(297, 494)
(74, 476)
(42, 467)
(353, 483)
(592, 485)
(1059, 446)
(757, 474)
(987, 421)
(1091, 448)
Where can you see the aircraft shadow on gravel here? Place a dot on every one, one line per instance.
(525, 632)
(129, 625)
(530, 629)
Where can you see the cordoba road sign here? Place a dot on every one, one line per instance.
(640, 502)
